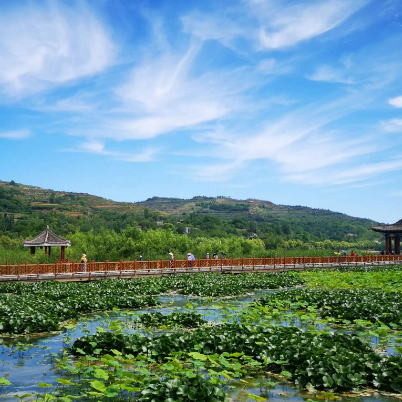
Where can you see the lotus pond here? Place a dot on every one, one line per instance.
(318, 335)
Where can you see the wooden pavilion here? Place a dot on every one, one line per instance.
(391, 232)
(48, 239)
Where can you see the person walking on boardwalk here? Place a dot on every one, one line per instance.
(190, 258)
(84, 263)
(171, 259)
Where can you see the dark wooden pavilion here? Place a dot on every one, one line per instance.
(391, 232)
(48, 239)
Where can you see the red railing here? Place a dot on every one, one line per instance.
(200, 264)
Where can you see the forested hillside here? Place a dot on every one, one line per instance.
(26, 210)
(269, 221)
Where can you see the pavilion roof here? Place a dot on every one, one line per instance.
(47, 238)
(395, 228)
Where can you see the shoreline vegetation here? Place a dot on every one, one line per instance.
(157, 244)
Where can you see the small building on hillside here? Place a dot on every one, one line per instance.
(391, 233)
(47, 240)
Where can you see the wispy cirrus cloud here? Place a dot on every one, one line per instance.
(351, 174)
(218, 27)
(330, 74)
(285, 26)
(392, 125)
(164, 94)
(374, 65)
(302, 146)
(15, 135)
(73, 104)
(397, 101)
(269, 24)
(165, 90)
(242, 104)
(50, 43)
(95, 146)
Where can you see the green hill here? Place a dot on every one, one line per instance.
(229, 208)
(20, 198)
(26, 210)
(267, 219)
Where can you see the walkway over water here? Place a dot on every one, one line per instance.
(73, 271)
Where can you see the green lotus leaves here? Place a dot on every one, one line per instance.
(43, 306)
(338, 361)
(183, 389)
(175, 319)
(350, 304)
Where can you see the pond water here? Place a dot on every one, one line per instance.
(26, 361)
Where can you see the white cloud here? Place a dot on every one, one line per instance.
(348, 175)
(16, 135)
(217, 27)
(397, 101)
(43, 45)
(214, 172)
(147, 155)
(95, 146)
(223, 103)
(301, 145)
(329, 74)
(393, 125)
(270, 24)
(286, 26)
(73, 104)
(164, 94)
(363, 184)
(267, 66)
(374, 66)
(312, 154)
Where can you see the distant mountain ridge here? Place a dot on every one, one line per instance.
(25, 210)
(228, 208)
(30, 198)
(40, 199)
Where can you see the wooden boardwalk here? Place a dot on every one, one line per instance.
(73, 271)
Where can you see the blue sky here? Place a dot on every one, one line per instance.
(295, 102)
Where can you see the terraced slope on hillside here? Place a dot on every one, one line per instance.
(230, 208)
